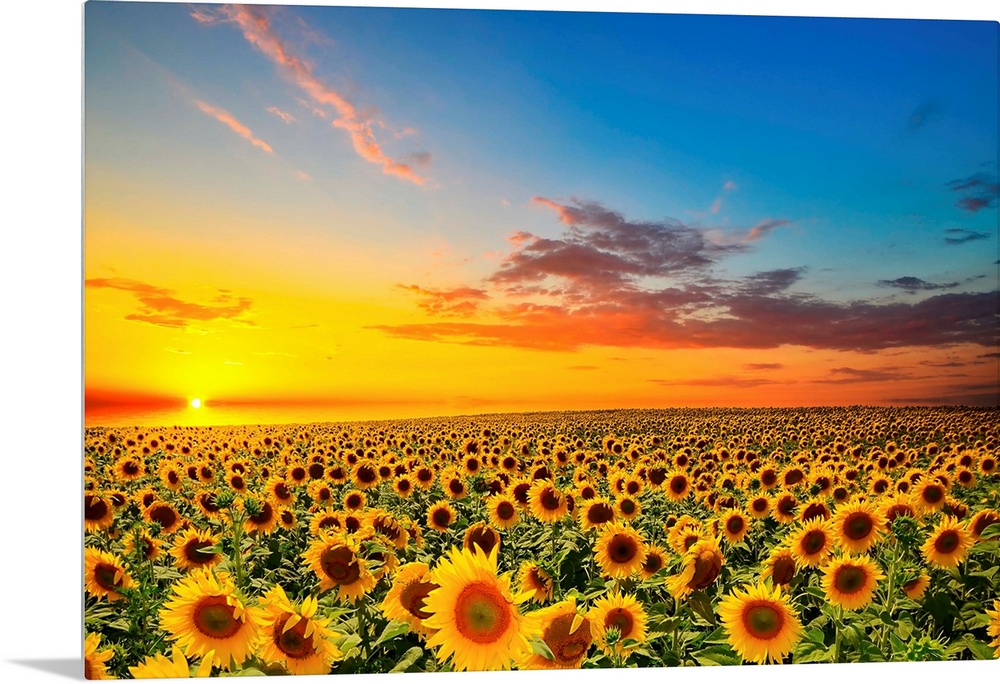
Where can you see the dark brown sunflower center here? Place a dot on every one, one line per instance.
(173, 478)
(858, 526)
(413, 595)
(622, 548)
(131, 468)
(983, 521)
(813, 541)
(441, 517)
(482, 614)
(483, 537)
(195, 551)
(104, 575)
(550, 499)
(768, 478)
(793, 477)
(762, 621)
(759, 505)
(164, 515)
(298, 473)
(94, 508)
(815, 510)
(265, 516)
(340, 565)
(237, 482)
(621, 619)
(505, 510)
(316, 471)
(947, 541)
(653, 563)
(707, 567)
(932, 494)
(353, 501)
(735, 525)
(787, 505)
(627, 506)
(567, 648)
(600, 513)
(632, 487)
(216, 619)
(850, 579)
(783, 570)
(455, 486)
(678, 484)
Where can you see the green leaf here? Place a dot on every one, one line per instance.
(702, 605)
(408, 660)
(541, 648)
(978, 649)
(391, 631)
(898, 647)
(717, 655)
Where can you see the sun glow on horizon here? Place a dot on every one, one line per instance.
(196, 403)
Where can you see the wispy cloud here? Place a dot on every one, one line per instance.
(762, 366)
(220, 114)
(912, 284)
(721, 381)
(979, 191)
(959, 236)
(462, 301)
(848, 376)
(284, 116)
(928, 111)
(159, 306)
(256, 24)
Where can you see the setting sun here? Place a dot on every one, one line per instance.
(196, 403)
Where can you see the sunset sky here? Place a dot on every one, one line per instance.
(342, 213)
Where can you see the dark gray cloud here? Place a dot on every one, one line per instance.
(979, 191)
(959, 236)
(912, 284)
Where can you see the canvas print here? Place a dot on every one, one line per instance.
(428, 340)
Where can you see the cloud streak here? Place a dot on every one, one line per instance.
(959, 236)
(258, 30)
(609, 281)
(160, 306)
(979, 191)
(221, 115)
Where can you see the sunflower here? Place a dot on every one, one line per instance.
(993, 629)
(619, 550)
(104, 574)
(145, 497)
(334, 560)
(567, 633)
(987, 465)
(165, 516)
(365, 474)
(483, 536)
(479, 626)
(160, 666)
(948, 544)
(812, 543)
(701, 565)
(403, 486)
(404, 602)
(293, 637)
(849, 582)
(780, 566)
(915, 587)
(287, 519)
(533, 580)
(784, 508)
(98, 513)
(595, 512)
(128, 469)
(320, 492)
(502, 510)
(277, 490)
(207, 503)
(453, 485)
(760, 623)
(814, 508)
(621, 612)
(548, 504)
(193, 549)
(205, 615)
(980, 521)
(898, 505)
(264, 520)
(378, 553)
(684, 535)
(858, 526)
(929, 496)
(325, 520)
(171, 476)
(734, 526)
(355, 500)
(440, 516)
(677, 485)
(93, 660)
(386, 524)
(656, 559)
(149, 547)
(759, 507)
(627, 507)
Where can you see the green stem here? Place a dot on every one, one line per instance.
(839, 626)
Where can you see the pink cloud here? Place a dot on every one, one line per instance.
(284, 116)
(239, 129)
(257, 29)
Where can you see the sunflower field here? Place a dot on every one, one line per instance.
(632, 538)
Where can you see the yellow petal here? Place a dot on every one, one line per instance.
(205, 669)
(291, 622)
(577, 621)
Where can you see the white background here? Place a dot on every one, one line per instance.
(40, 345)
